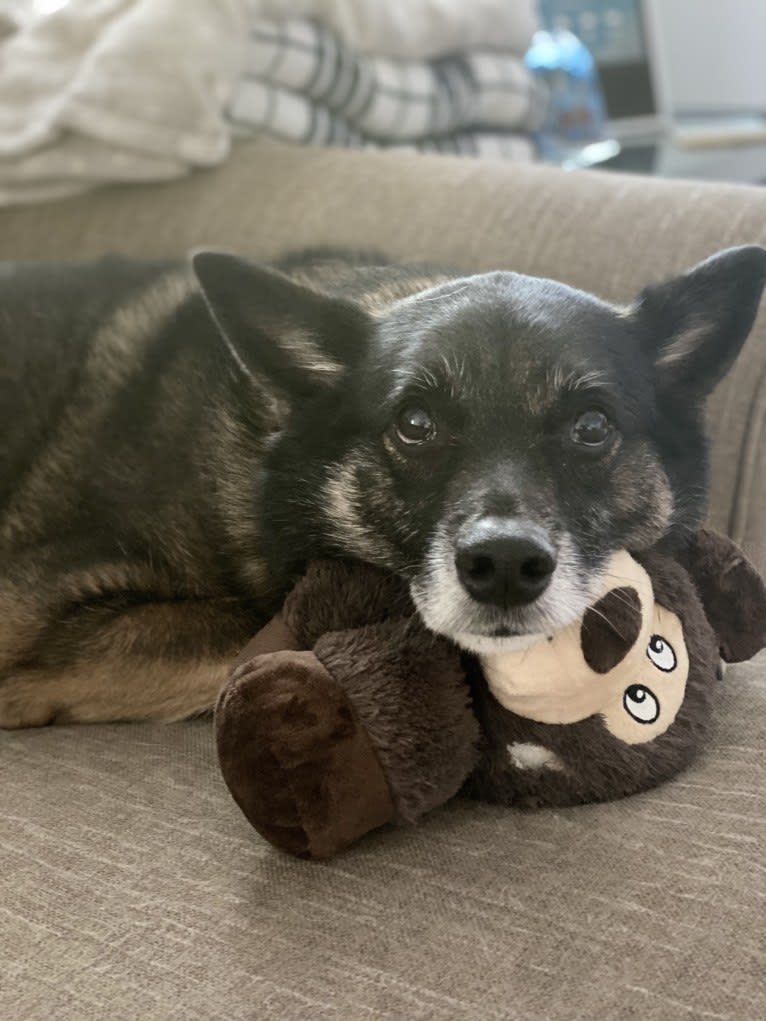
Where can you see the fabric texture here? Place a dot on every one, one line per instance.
(416, 28)
(261, 109)
(127, 90)
(301, 83)
(135, 91)
(130, 885)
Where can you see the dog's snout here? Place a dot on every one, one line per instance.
(505, 563)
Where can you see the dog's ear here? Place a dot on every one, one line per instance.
(693, 326)
(732, 593)
(279, 331)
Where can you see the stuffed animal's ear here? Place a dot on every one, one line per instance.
(280, 332)
(733, 594)
(694, 325)
(610, 628)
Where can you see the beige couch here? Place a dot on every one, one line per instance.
(130, 885)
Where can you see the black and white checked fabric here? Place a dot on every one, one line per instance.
(302, 84)
(482, 144)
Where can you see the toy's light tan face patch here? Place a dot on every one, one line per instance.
(649, 702)
(552, 681)
(637, 691)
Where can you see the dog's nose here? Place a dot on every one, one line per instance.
(505, 565)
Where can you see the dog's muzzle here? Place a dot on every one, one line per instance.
(504, 562)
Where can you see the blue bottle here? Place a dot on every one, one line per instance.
(576, 112)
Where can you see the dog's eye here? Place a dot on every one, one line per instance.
(591, 429)
(415, 425)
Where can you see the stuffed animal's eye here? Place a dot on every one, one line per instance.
(641, 704)
(415, 425)
(592, 429)
(661, 653)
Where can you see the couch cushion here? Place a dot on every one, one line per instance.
(130, 886)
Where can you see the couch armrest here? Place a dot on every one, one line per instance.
(608, 233)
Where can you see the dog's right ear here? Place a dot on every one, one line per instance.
(279, 331)
(694, 325)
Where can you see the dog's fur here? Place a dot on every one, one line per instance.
(177, 443)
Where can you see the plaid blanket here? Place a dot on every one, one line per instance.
(290, 117)
(302, 84)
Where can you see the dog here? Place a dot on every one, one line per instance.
(179, 439)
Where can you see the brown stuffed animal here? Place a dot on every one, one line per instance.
(345, 713)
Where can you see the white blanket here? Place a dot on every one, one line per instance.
(117, 90)
(416, 28)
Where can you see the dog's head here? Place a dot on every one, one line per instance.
(493, 439)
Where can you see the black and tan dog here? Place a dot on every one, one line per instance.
(176, 443)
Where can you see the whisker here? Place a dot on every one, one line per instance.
(616, 594)
(445, 294)
(607, 620)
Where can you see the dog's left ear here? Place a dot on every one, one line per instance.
(732, 593)
(693, 326)
(290, 338)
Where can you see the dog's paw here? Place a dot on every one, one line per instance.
(22, 707)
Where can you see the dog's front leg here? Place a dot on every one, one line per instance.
(157, 661)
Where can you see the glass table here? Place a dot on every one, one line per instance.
(737, 163)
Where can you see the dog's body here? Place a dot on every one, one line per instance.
(132, 567)
(159, 485)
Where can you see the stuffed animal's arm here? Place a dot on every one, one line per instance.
(338, 595)
(372, 726)
(732, 592)
(333, 595)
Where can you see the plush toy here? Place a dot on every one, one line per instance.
(344, 713)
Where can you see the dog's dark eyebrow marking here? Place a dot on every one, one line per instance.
(421, 379)
(447, 376)
(592, 379)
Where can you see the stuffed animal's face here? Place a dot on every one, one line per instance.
(649, 696)
(626, 660)
(620, 700)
